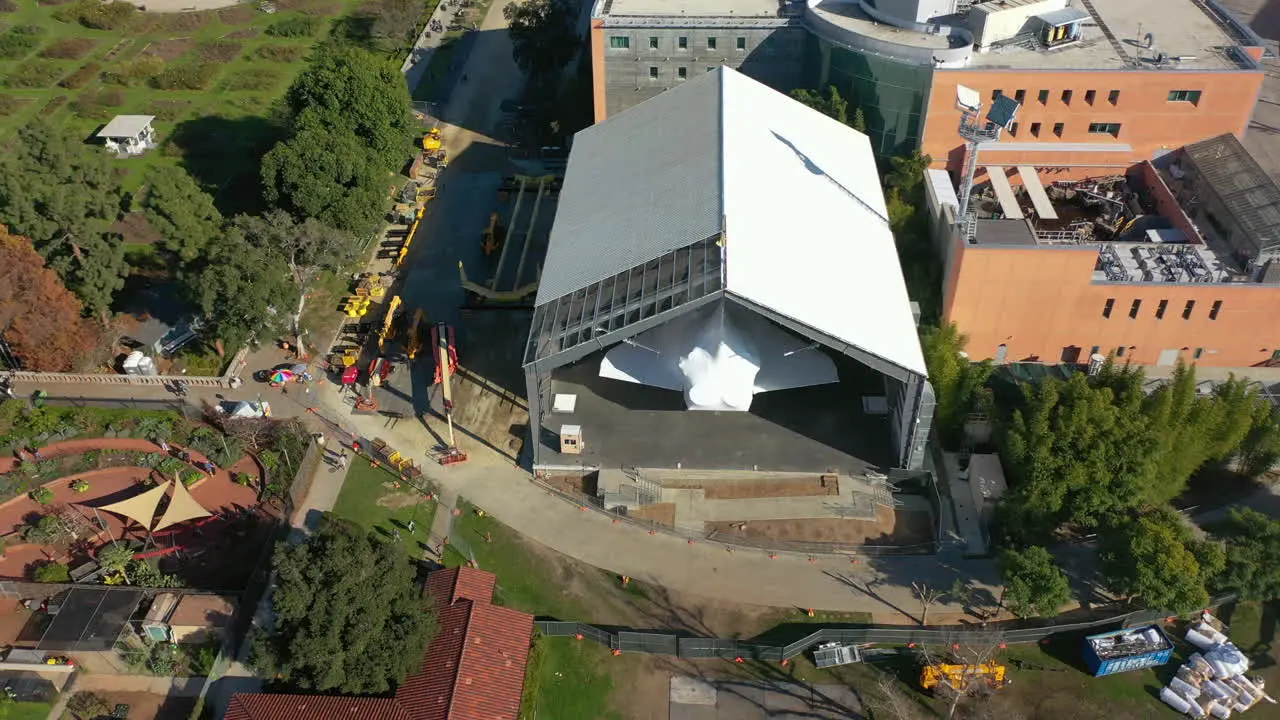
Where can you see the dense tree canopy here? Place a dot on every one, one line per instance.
(350, 92)
(1034, 585)
(64, 195)
(1087, 451)
(243, 290)
(331, 177)
(181, 212)
(832, 105)
(39, 317)
(1253, 550)
(544, 35)
(349, 616)
(1156, 560)
(957, 383)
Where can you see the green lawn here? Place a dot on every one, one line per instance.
(369, 501)
(521, 582)
(218, 132)
(564, 680)
(28, 711)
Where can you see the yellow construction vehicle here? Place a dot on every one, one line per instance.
(961, 677)
(415, 333)
(431, 141)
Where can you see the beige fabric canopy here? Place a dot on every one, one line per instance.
(139, 508)
(181, 507)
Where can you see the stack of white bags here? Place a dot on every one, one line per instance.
(1212, 682)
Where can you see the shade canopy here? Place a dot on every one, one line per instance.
(139, 508)
(182, 507)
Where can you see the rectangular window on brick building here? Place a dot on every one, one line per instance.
(1066, 97)
(1108, 307)
(1164, 305)
(1217, 308)
(1035, 129)
(1112, 129)
(1188, 96)
(1113, 97)
(1013, 129)
(1090, 96)
(995, 94)
(1094, 351)
(1196, 355)
(1186, 309)
(619, 42)
(1020, 96)
(1058, 128)
(1043, 97)
(1120, 351)
(1134, 308)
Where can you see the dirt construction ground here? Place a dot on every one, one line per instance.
(902, 527)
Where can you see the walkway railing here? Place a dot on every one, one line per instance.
(732, 542)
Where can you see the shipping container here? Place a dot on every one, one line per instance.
(1128, 649)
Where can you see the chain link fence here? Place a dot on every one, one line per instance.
(704, 648)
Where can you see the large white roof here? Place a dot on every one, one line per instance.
(804, 218)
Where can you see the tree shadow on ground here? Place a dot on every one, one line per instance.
(225, 156)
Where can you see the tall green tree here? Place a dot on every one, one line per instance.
(1253, 545)
(1034, 585)
(1260, 449)
(349, 616)
(1156, 560)
(181, 212)
(308, 247)
(243, 290)
(347, 91)
(544, 36)
(957, 382)
(64, 195)
(332, 177)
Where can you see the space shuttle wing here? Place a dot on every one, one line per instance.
(636, 364)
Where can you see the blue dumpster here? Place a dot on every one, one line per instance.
(1128, 649)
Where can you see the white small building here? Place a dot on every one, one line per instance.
(129, 134)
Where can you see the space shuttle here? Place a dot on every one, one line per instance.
(719, 356)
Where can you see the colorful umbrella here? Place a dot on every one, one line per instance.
(281, 376)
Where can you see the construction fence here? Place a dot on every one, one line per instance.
(703, 648)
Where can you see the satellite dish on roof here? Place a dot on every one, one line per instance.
(967, 98)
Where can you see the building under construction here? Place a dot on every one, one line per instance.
(722, 291)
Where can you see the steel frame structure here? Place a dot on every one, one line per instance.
(606, 312)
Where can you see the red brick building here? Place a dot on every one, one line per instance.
(473, 669)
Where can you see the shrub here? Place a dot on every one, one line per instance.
(192, 76)
(191, 477)
(14, 45)
(28, 30)
(257, 78)
(9, 105)
(87, 704)
(281, 53)
(52, 572)
(42, 495)
(114, 15)
(170, 467)
(164, 659)
(137, 72)
(97, 104)
(34, 74)
(244, 479)
(80, 486)
(222, 51)
(8, 6)
(71, 48)
(45, 530)
(301, 26)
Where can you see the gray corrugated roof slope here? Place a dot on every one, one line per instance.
(651, 175)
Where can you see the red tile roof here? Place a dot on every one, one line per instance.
(473, 670)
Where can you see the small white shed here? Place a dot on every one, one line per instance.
(129, 134)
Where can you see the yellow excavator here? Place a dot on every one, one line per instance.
(431, 141)
(961, 677)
